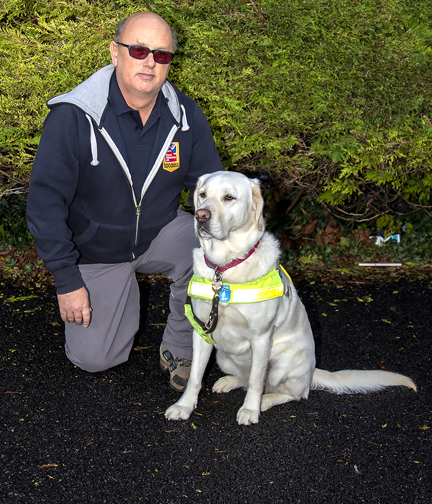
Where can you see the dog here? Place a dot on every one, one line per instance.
(264, 340)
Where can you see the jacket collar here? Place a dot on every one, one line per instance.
(117, 101)
(95, 103)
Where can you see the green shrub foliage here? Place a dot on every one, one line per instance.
(329, 98)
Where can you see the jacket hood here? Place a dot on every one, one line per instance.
(94, 104)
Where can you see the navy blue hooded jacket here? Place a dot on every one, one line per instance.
(82, 205)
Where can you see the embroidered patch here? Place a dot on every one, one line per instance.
(172, 158)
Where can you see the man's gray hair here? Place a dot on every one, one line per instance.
(122, 22)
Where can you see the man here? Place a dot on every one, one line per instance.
(114, 156)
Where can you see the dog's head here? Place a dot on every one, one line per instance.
(228, 204)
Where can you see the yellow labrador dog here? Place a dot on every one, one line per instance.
(245, 306)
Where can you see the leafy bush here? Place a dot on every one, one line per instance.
(45, 49)
(329, 97)
(325, 98)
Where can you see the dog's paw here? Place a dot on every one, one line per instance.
(267, 402)
(247, 416)
(270, 400)
(226, 383)
(176, 412)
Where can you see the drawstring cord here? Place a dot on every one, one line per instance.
(185, 125)
(93, 143)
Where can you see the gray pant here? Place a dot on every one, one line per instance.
(114, 298)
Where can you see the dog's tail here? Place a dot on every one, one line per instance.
(355, 382)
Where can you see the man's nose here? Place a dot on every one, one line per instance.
(149, 60)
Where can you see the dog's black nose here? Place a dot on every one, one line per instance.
(202, 215)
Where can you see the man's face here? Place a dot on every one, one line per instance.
(140, 79)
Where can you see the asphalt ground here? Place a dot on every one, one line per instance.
(68, 436)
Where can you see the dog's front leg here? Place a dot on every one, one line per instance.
(182, 409)
(250, 410)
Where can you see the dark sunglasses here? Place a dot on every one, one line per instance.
(141, 52)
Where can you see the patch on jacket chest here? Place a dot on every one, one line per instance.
(172, 158)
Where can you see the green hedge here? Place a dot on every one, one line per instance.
(326, 97)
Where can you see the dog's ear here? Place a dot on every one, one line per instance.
(197, 189)
(257, 204)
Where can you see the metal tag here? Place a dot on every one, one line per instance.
(217, 282)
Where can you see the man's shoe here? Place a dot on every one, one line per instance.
(178, 367)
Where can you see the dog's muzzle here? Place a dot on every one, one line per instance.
(203, 217)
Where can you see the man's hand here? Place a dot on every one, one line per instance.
(75, 307)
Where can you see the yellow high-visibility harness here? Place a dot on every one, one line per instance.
(272, 285)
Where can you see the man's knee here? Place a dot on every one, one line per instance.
(94, 363)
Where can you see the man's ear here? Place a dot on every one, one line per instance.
(257, 204)
(114, 51)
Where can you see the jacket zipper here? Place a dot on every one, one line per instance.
(150, 176)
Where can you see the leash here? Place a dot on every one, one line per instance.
(206, 329)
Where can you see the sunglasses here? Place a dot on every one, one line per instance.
(141, 52)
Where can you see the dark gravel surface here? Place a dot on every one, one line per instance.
(72, 437)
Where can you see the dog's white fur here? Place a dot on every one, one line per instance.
(265, 347)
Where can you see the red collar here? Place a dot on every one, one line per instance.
(236, 262)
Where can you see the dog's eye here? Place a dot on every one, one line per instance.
(202, 194)
(229, 197)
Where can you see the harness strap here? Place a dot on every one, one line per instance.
(274, 284)
(270, 286)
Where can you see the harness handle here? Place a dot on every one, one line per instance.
(210, 326)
